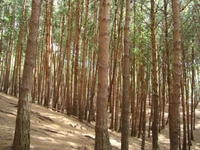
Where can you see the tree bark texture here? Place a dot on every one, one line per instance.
(101, 130)
(22, 128)
(154, 80)
(175, 103)
(126, 81)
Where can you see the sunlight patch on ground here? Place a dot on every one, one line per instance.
(72, 144)
(163, 139)
(45, 139)
(8, 96)
(115, 143)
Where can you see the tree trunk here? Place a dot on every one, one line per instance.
(165, 68)
(22, 128)
(76, 65)
(47, 59)
(83, 70)
(126, 82)
(192, 97)
(184, 117)
(154, 80)
(9, 52)
(17, 64)
(68, 52)
(175, 103)
(111, 96)
(101, 130)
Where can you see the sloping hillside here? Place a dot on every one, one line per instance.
(51, 130)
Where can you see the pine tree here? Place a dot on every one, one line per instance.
(22, 128)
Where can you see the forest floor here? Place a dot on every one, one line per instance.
(52, 130)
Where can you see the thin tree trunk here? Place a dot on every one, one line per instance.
(9, 53)
(76, 65)
(133, 73)
(16, 71)
(126, 82)
(68, 52)
(175, 103)
(184, 117)
(111, 96)
(47, 59)
(192, 111)
(144, 96)
(83, 70)
(154, 80)
(165, 68)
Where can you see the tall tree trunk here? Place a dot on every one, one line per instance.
(184, 117)
(166, 69)
(126, 81)
(154, 79)
(175, 103)
(22, 128)
(143, 98)
(83, 74)
(17, 65)
(192, 97)
(47, 59)
(101, 130)
(9, 52)
(91, 116)
(76, 65)
(68, 52)
(58, 71)
(133, 73)
(111, 96)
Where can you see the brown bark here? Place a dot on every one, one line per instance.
(133, 74)
(17, 64)
(101, 130)
(126, 81)
(166, 67)
(143, 114)
(9, 53)
(192, 111)
(175, 103)
(83, 70)
(47, 59)
(58, 74)
(184, 117)
(76, 65)
(22, 129)
(155, 97)
(186, 87)
(93, 66)
(111, 96)
(140, 93)
(68, 51)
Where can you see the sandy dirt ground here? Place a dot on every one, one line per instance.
(52, 130)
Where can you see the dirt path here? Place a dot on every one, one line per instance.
(51, 130)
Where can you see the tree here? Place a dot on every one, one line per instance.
(17, 63)
(126, 81)
(101, 130)
(76, 59)
(47, 59)
(154, 79)
(22, 128)
(175, 103)
(9, 52)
